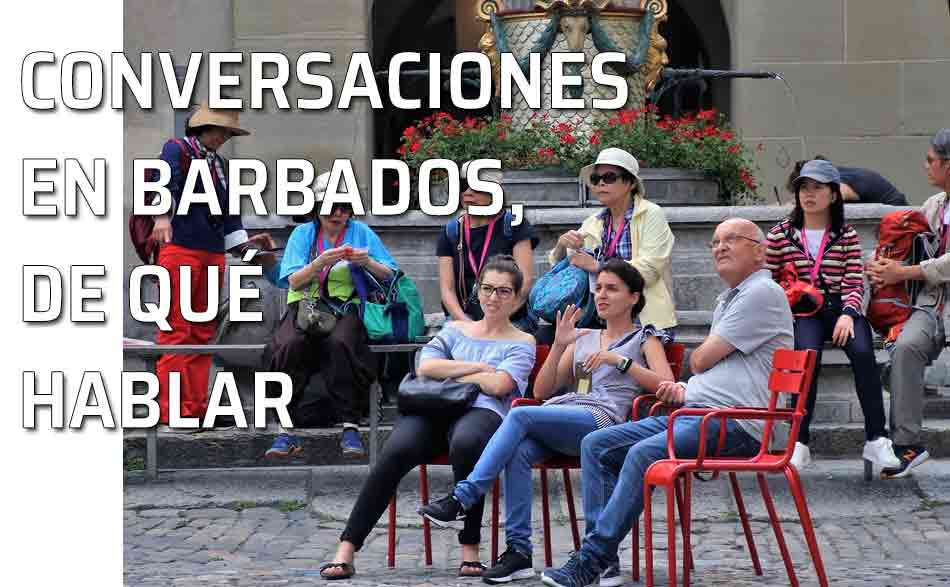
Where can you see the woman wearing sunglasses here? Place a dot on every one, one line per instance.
(826, 252)
(490, 353)
(468, 241)
(630, 228)
(605, 370)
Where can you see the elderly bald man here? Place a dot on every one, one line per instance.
(731, 368)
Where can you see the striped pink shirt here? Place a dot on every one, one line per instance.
(841, 270)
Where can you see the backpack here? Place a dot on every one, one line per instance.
(141, 225)
(560, 287)
(905, 236)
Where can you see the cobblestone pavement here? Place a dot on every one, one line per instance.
(209, 528)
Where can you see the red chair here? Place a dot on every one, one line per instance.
(674, 355)
(426, 525)
(541, 354)
(791, 373)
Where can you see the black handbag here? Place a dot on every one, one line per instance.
(441, 398)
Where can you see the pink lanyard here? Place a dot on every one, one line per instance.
(339, 241)
(615, 239)
(468, 237)
(816, 265)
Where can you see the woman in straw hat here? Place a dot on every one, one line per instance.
(196, 240)
(629, 228)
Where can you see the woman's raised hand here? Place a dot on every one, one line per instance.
(330, 256)
(567, 331)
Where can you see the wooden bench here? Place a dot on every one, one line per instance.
(151, 352)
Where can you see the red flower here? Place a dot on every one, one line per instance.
(568, 139)
(595, 139)
(414, 147)
(470, 122)
(563, 128)
(502, 135)
(727, 135)
(710, 131)
(734, 149)
(402, 149)
(505, 118)
(707, 114)
(546, 152)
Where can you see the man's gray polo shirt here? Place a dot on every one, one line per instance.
(755, 318)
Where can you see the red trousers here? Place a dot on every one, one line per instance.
(193, 368)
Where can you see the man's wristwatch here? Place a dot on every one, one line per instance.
(624, 365)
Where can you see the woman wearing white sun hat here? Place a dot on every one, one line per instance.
(630, 228)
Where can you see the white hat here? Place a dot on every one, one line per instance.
(618, 157)
(323, 182)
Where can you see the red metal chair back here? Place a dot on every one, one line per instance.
(675, 354)
(541, 353)
(792, 372)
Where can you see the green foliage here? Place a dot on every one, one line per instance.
(702, 142)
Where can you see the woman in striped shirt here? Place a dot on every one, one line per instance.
(826, 252)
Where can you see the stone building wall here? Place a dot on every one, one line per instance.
(871, 78)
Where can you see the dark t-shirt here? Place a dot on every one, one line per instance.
(872, 187)
(499, 245)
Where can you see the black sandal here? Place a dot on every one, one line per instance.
(478, 564)
(348, 571)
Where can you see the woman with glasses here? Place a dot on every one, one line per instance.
(630, 228)
(468, 241)
(316, 264)
(604, 370)
(826, 252)
(490, 353)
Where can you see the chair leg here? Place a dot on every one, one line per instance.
(683, 508)
(495, 490)
(647, 534)
(426, 527)
(569, 495)
(777, 528)
(744, 518)
(671, 534)
(635, 546)
(685, 523)
(798, 492)
(391, 553)
(546, 518)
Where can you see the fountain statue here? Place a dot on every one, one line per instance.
(522, 27)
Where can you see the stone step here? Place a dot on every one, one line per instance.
(244, 448)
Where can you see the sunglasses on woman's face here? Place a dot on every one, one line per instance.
(608, 178)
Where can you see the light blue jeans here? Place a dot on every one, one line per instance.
(527, 435)
(614, 461)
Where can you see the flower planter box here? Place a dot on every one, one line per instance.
(555, 188)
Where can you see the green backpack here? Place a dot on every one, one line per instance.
(398, 317)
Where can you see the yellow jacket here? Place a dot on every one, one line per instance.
(652, 244)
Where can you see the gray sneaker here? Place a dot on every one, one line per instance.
(611, 577)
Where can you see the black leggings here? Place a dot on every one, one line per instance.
(416, 440)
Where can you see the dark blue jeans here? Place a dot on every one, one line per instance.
(614, 461)
(811, 333)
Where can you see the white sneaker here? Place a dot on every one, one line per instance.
(880, 451)
(801, 458)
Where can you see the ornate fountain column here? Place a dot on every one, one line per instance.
(521, 27)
